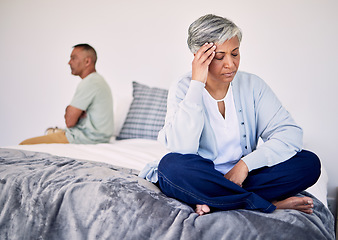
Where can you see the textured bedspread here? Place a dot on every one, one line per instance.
(48, 197)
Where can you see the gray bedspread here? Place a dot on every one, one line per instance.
(49, 197)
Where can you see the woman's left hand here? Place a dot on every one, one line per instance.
(238, 173)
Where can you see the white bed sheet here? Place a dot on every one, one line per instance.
(135, 154)
(131, 153)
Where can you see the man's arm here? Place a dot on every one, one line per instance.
(72, 116)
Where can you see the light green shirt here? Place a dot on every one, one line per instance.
(92, 95)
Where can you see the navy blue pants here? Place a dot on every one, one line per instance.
(194, 180)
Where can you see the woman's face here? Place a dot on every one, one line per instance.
(224, 66)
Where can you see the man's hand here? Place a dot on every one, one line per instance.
(238, 173)
(201, 62)
(83, 114)
(72, 116)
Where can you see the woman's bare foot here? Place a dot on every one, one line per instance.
(202, 209)
(303, 204)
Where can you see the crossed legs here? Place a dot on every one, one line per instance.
(193, 179)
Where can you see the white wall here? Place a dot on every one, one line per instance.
(292, 44)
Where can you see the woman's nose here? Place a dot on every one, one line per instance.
(228, 62)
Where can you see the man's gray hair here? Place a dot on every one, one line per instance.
(212, 29)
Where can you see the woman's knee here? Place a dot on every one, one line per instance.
(312, 165)
(169, 165)
(178, 165)
(311, 159)
(315, 162)
(168, 161)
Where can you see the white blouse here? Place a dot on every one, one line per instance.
(226, 131)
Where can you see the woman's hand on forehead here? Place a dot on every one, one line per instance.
(201, 62)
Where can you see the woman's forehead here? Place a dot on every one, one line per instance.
(228, 45)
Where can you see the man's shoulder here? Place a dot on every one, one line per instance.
(94, 76)
(94, 80)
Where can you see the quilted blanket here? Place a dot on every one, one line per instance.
(49, 197)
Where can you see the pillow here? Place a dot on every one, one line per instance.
(146, 113)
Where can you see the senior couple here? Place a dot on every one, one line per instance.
(215, 117)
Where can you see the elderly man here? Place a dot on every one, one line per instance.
(89, 117)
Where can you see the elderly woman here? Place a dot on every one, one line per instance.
(216, 114)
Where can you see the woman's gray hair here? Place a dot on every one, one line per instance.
(212, 29)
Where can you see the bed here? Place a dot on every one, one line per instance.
(74, 191)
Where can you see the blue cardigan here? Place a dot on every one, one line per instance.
(187, 127)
